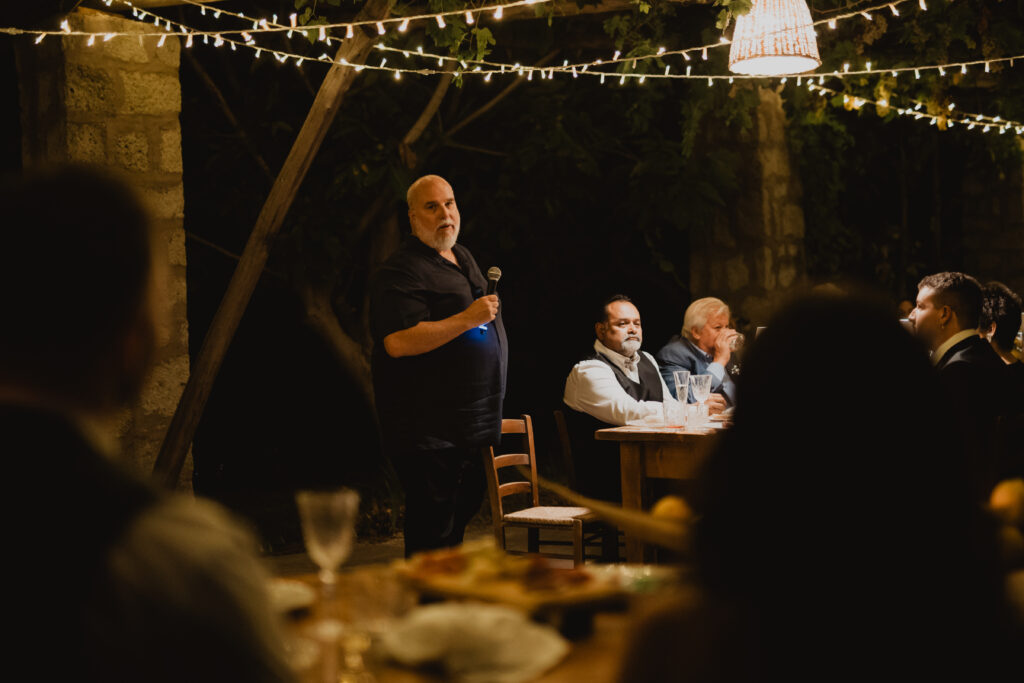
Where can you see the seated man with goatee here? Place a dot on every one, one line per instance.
(614, 385)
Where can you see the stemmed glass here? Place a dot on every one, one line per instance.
(700, 385)
(328, 527)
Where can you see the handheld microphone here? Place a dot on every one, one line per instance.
(493, 275)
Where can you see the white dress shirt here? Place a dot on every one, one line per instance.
(593, 389)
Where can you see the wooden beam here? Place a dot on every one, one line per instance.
(186, 418)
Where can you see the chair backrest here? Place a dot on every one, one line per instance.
(497, 490)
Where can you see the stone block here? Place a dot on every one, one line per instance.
(131, 49)
(90, 90)
(169, 53)
(177, 292)
(168, 202)
(170, 150)
(131, 151)
(151, 93)
(165, 385)
(737, 275)
(176, 247)
(85, 143)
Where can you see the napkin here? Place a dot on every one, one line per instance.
(476, 643)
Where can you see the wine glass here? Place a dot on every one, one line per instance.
(328, 527)
(700, 385)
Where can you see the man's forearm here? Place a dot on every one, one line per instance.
(426, 336)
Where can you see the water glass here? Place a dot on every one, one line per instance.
(675, 412)
(682, 381)
(736, 343)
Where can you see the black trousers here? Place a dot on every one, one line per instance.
(443, 491)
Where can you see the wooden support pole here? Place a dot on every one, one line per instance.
(193, 400)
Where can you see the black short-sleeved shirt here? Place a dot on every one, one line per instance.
(453, 394)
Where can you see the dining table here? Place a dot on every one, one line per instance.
(651, 451)
(594, 656)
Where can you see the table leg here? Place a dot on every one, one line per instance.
(631, 465)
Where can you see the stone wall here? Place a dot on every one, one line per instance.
(993, 220)
(753, 257)
(116, 104)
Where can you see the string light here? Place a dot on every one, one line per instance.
(487, 67)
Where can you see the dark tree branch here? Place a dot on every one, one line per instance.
(225, 109)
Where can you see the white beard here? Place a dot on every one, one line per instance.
(445, 242)
(630, 347)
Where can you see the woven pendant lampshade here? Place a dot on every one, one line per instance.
(775, 38)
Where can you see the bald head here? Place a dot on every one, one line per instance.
(433, 215)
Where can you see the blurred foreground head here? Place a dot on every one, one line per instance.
(76, 289)
(836, 512)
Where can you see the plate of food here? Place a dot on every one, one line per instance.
(480, 571)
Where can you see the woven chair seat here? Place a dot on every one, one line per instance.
(562, 516)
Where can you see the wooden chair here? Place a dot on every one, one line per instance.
(536, 517)
(604, 534)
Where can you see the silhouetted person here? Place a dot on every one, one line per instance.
(117, 582)
(1000, 321)
(833, 543)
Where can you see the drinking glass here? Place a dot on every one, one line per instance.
(736, 343)
(700, 385)
(328, 527)
(682, 380)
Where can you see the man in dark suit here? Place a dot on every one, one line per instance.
(946, 319)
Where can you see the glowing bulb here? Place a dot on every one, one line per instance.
(440, 21)
(188, 42)
(832, 23)
(469, 17)
(499, 12)
(40, 37)
(349, 32)
(924, 7)
(616, 55)
(291, 19)
(91, 41)
(404, 26)
(895, 12)
(866, 15)
(704, 54)
(380, 28)
(163, 39)
(322, 36)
